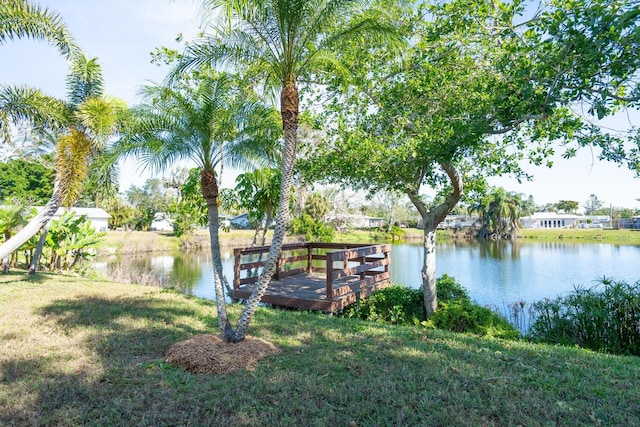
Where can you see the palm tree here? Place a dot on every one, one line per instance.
(280, 41)
(499, 212)
(22, 19)
(73, 125)
(203, 118)
(80, 128)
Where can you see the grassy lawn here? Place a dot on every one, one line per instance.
(584, 234)
(78, 352)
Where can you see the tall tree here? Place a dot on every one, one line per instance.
(279, 41)
(80, 126)
(568, 206)
(148, 200)
(27, 181)
(592, 204)
(471, 72)
(205, 118)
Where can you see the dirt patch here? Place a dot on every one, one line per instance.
(209, 354)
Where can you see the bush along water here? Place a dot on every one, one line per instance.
(456, 312)
(605, 317)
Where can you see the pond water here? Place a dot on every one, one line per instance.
(494, 273)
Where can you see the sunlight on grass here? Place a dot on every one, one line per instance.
(77, 352)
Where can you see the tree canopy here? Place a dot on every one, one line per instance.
(477, 89)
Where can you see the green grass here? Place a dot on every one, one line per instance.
(77, 352)
(583, 234)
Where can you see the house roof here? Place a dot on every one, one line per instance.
(89, 212)
(550, 215)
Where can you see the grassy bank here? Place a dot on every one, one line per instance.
(128, 242)
(586, 234)
(76, 352)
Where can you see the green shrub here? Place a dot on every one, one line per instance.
(396, 304)
(314, 231)
(448, 289)
(463, 315)
(456, 312)
(601, 318)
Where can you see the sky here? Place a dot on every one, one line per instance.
(123, 33)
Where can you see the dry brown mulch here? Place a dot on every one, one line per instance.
(210, 354)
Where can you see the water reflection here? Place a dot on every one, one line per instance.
(494, 272)
(499, 249)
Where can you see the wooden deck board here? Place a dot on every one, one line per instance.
(349, 272)
(308, 291)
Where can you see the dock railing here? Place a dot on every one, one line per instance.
(340, 262)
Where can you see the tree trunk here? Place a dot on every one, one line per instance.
(289, 104)
(39, 221)
(209, 185)
(431, 219)
(267, 221)
(38, 253)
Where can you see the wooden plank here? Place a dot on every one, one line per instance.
(353, 271)
(329, 275)
(237, 258)
(295, 258)
(308, 292)
(246, 280)
(314, 290)
(250, 265)
(363, 251)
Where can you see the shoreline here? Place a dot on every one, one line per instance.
(130, 242)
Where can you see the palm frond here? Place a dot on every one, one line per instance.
(84, 80)
(101, 117)
(21, 18)
(24, 104)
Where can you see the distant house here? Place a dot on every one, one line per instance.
(99, 217)
(355, 221)
(456, 221)
(161, 222)
(459, 221)
(550, 220)
(240, 221)
(556, 220)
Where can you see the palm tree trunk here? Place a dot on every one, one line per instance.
(39, 221)
(431, 218)
(210, 192)
(289, 108)
(38, 253)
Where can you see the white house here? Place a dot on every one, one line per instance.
(355, 220)
(550, 220)
(161, 222)
(458, 221)
(99, 217)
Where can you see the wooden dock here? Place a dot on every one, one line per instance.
(315, 276)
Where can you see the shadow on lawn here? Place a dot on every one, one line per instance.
(330, 372)
(14, 276)
(136, 327)
(127, 336)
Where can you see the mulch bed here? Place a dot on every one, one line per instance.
(209, 354)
